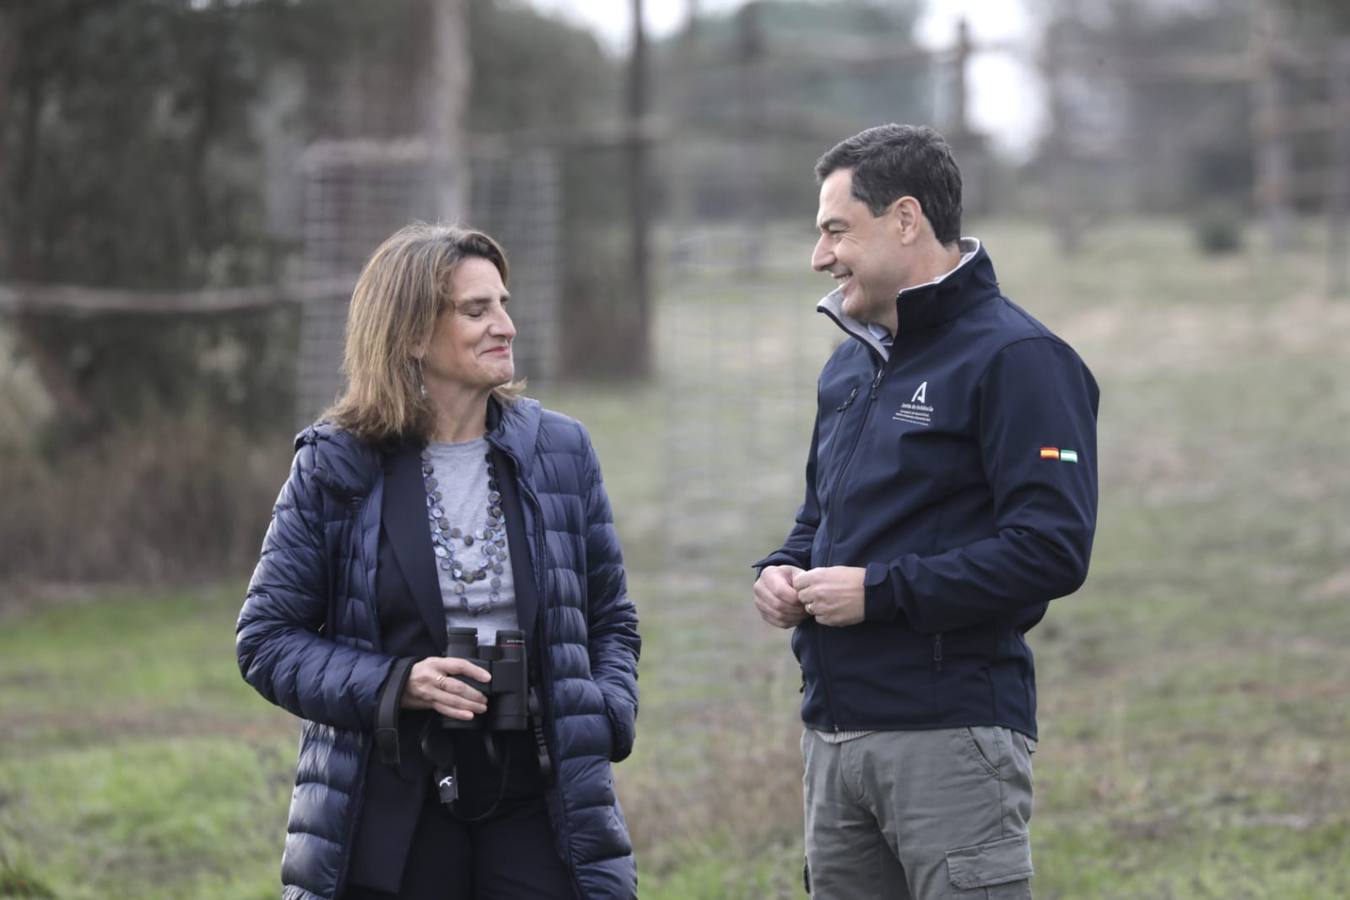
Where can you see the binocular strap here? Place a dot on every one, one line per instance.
(540, 743)
(438, 746)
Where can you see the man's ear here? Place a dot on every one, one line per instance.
(908, 216)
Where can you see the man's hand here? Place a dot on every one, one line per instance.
(834, 594)
(776, 598)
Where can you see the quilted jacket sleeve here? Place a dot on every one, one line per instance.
(280, 649)
(613, 635)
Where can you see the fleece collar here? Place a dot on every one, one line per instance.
(923, 305)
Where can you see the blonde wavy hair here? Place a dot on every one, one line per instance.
(401, 291)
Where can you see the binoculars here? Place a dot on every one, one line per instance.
(508, 707)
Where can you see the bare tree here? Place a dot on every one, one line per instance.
(448, 105)
(9, 46)
(638, 202)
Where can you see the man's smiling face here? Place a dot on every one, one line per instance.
(862, 252)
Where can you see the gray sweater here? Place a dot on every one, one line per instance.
(461, 473)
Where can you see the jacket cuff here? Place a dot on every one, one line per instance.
(776, 558)
(879, 601)
(621, 729)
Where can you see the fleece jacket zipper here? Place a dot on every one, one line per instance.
(829, 547)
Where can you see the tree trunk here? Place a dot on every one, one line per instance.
(639, 362)
(448, 107)
(9, 49)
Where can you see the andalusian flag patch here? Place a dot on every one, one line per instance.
(1061, 455)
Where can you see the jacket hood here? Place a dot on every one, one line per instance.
(344, 464)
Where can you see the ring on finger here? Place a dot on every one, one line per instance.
(440, 682)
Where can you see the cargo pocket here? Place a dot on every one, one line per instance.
(997, 870)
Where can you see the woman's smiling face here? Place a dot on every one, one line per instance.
(470, 346)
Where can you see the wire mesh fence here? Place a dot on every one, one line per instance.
(357, 193)
(739, 355)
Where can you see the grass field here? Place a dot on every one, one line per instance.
(1195, 727)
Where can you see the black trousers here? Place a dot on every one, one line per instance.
(508, 856)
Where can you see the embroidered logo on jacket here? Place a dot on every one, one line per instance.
(916, 411)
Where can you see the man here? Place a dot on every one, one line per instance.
(951, 492)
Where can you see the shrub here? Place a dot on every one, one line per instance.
(166, 501)
(1217, 231)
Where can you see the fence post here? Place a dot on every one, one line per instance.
(1338, 194)
(680, 157)
(638, 206)
(1269, 135)
(750, 49)
(447, 108)
(960, 120)
(1057, 155)
(9, 49)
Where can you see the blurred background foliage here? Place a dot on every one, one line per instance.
(152, 144)
(158, 146)
(143, 137)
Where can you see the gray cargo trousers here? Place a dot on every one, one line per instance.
(919, 815)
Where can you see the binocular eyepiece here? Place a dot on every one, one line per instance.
(508, 707)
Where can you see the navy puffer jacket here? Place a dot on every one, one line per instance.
(308, 640)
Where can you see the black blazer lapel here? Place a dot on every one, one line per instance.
(405, 522)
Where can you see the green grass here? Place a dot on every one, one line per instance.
(1195, 734)
(153, 816)
(124, 665)
(134, 762)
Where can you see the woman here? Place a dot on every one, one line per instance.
(431, 497)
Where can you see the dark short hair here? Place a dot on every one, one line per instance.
(891, 161)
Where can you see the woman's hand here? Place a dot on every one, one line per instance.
(432, 685)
